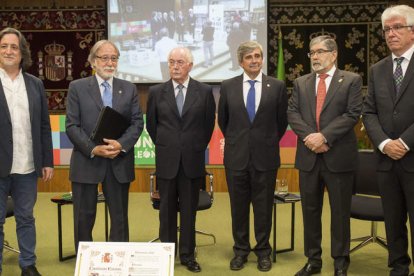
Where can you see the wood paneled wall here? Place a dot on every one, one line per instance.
(60, 182)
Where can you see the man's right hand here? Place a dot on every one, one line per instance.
(106, 151)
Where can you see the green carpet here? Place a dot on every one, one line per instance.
(214, 259)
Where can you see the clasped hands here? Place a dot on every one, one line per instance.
(316, 142)
(110, 150)
(395, 149)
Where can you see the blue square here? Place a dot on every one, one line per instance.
(65, 143)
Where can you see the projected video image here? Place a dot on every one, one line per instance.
(145, 31)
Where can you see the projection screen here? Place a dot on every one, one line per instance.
(145, 31)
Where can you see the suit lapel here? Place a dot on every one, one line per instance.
(238, 97)
(95, 92)
(336, 82)
(389, 78)
(265, 93)
(169, 96)
(407, 78)
(30, 94)
(3, 102)
(310, 89)
(190, 97)
(116, 93)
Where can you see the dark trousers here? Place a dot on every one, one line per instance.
(23, 190)
(339, 186)
(84, 208)
(255, 187)
(397, 193)
(185, 191)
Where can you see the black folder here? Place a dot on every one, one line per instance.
(111, 125)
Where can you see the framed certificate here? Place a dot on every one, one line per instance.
(125, 258)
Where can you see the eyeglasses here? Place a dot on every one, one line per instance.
(106, 58)
(179, 63)
(395, 29)
(318, 52)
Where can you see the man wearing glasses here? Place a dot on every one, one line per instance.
(389, 119)
(180, 121)
(111, 163)
(324, 107)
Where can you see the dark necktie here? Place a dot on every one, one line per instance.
(320, 97)
(180, 98)
(251, 100)
(398, 74)
(107, 94)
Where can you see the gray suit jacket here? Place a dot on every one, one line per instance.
(257, 141)
(387, 115)
(340, 113)
(83, 106)
(39, 118)
(180, 139)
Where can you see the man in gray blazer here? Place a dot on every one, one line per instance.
(388, 116)
(112, 163)
(180, 121)
(25, 143)
(252, 117)
(323, 110)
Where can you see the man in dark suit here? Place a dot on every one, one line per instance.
(389, 120)
(323, 110)
(180, 121)
(112, 163)
(252, 117)
(25, 143)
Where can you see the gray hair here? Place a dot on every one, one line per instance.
(187, 53)
(26, 61)
(404, 11)
(95, 48)
(248, 47)
(327, 40)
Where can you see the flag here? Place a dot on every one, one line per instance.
(280, 59)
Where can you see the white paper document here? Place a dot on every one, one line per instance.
(125, 259)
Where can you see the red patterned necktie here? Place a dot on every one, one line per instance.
(320, 97)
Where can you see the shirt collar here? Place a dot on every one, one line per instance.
(330, 73)
(4, 75)
(101, 80)
(185, 83)
(407, 55)
(257, 79)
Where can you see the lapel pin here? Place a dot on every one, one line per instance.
(268, 85)
(340, 80)
(120, 91)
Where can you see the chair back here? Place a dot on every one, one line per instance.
(366, 175)
(206, 195)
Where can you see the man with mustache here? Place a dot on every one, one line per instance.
(389, 119)
(112, 163)
(252, 117)
(324, 107)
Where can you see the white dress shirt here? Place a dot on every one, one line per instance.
(257, 86)
(18, 104)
